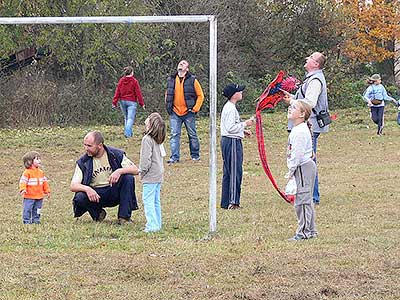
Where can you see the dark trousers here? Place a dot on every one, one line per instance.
(232, 156)
(122, 194)
(316, 197)
(377, 115)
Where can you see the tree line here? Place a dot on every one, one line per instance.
(256, 39)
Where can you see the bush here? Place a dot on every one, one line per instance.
(346, 94)
(39, 99)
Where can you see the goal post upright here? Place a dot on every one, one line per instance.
(212, 79)
(213, 126)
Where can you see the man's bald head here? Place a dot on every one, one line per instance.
(97, 137)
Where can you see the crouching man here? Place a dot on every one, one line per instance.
(103, 178)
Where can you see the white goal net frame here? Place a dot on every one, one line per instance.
(212, 20)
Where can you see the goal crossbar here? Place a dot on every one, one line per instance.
(107, 20)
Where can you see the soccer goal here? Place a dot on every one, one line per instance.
(212, 80)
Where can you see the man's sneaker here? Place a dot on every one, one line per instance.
(172, 161)
(196, 158)
(102, 216)
(123, 221)
(296, 238)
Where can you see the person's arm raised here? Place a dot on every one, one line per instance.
(287, 98)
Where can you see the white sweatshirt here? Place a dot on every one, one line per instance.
(299, 149)
(231, 125)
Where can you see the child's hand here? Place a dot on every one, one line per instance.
(250, 121)
(247, 133)
(287, 97)
(22, 193)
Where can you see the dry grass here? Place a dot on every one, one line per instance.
(355, 257)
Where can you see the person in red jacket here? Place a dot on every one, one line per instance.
(128, 94)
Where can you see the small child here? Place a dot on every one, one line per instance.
(375, 96)
(33, 186)
(303, 168)
(151, 170)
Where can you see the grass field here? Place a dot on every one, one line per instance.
(356, 255)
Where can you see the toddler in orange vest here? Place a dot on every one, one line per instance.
(33, 186)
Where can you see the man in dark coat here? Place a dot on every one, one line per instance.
(103, 178)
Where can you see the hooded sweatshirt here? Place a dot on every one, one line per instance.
(128, 89)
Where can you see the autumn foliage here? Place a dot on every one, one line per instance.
(369, 28)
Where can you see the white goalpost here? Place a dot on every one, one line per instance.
(212, 80)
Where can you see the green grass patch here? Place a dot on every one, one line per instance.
(356, 255)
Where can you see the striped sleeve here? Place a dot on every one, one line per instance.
(23, 182)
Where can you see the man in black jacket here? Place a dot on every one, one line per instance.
(103, 178)
(183, 99)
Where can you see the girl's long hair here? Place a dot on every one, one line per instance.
(157, 129)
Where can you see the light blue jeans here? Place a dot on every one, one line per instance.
(31, 212)
(128, 108)
(175, 122)
(152, 206)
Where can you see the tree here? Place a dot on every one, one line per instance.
(369, 29)
(95, 52)
(86, 61)
(397, 62)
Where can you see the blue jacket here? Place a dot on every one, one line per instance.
(377, 92)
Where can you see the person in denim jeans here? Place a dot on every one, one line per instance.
(183, 98)
(128, 94)
(33, 185)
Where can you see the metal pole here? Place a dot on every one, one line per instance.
(213, 125)
(103, 20)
